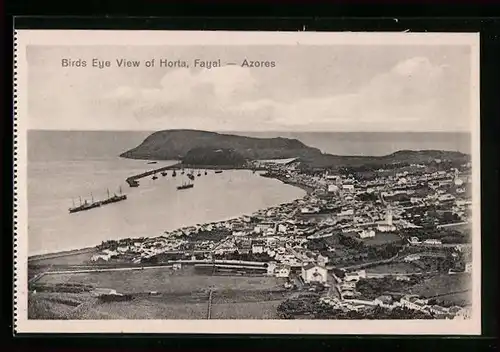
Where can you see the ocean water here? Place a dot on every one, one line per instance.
(375, 143)
(62, 166)
(66, 165)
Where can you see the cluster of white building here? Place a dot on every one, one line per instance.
(141, 249)
(412, 302)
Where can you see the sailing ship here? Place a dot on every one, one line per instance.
(185, 186)
(114, 198)
(85, 205)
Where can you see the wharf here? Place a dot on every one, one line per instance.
(133, 179)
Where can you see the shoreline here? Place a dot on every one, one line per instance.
(306, 188)
(133, 180)
(77, 251)
(65, 253)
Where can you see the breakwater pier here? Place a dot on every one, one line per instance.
(133, 181)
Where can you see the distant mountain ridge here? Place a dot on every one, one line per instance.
(175, 144)
(178, 144)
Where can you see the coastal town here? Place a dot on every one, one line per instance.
(389, 242)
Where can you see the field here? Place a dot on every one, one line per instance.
(44, 305)
(457, 298)
(179, 296)
(147, 309)
(451, 286)
(464, 229)
(64, 258)
(162, 280)
(381, 238)
(245, 310)
(144, 307)
(394, 268)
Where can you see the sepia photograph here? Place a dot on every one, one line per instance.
(247, 182)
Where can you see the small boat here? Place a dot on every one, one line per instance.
(174, 174)
(218, 171)
(199, 174)
(164, 173)
(190, 176)
(151, 162)
(182, 172)
(185, 186)
(206, 172)
(155, 177)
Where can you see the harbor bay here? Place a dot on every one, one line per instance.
(259, 239)
(67, 167)
(154, 207)
(337, 192)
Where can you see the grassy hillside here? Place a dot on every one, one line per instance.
(201, 146)
(175, 144)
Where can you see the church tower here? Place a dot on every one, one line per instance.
(388, 217)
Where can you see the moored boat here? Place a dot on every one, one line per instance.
(85, 205)
(185, 186)
(114, 198)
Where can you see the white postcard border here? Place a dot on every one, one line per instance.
(24, 38)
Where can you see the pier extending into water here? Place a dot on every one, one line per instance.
(133, 181)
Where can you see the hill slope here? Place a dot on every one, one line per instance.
(175, 144)
(201, 146)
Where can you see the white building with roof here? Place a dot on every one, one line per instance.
(468, 267)
(384, 301)
(333, 188)
(355, 276)
(348, 187)
(313, 273)
(432, 241)
(414, 240)
(414, 302)
(366, 233)
(282, 271)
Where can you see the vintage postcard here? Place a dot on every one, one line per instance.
(247, 182)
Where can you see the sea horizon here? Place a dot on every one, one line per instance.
(64, 165)
(345, 143)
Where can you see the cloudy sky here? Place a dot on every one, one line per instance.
(312, 88)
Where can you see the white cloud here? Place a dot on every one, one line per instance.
(186, 91)
(412, 95)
